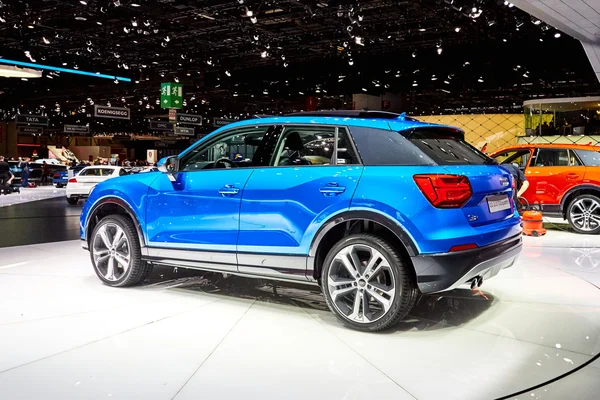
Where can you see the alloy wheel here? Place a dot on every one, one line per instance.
(585, 214)
(111, 252)
(361, 283)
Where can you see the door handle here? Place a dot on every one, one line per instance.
(572, 175)
(229, 190)
(332, 189)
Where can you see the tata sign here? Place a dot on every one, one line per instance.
(184, 131)
(30, 130)
(32, 120)
(112, 112)
(189, 119)
(76, 129)
(161, 126)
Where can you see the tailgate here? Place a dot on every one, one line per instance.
(492, 193)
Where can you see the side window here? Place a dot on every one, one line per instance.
(552, 158)
(313, 145)
(589, 158)
(90, 172)
(238, 148)
(386, 147)
(520, 157)
(122, 172)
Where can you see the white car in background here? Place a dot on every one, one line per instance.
(80, 186)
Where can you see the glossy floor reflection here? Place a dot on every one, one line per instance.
(189, 335)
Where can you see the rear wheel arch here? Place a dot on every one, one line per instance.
(573, 193)
(351, 222)
(111, 206)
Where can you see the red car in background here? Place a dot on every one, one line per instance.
(564, 180)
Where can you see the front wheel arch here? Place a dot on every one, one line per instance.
(110, 206)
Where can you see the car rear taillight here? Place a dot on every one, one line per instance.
(445, 191)
(73, 180)
(57, 175)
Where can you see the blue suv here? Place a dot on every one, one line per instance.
(374, 207)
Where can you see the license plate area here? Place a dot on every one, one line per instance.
(498, 203)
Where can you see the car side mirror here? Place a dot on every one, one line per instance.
(170, 166)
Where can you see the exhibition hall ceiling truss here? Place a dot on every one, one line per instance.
(263, 56)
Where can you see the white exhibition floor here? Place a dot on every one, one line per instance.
(31, 194)
(64, 335)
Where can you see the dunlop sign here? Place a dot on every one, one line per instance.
(32, 120)
(112, 112)
(189, 119)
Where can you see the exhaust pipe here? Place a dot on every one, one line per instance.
(476, 282)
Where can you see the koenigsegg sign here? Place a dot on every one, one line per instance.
(112, 112)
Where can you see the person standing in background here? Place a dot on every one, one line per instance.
(24, 167)
(4, 176)
(45, 172)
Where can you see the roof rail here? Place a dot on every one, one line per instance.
(353, 114)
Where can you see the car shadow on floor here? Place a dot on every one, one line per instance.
(436, 312)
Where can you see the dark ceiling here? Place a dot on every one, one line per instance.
(439, 55)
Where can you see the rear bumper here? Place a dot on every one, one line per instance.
(447, 271)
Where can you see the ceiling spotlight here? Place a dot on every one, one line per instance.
(253, 20)
(125, 29)
(263, 54)
(350, 62)
(46, 41)
(439, 50)
(474, 9)
(227, 73)
(134, 23)
(414, 54)
(457, 29)
(134, 5)
(480, 80)
(537, 22)
(360, 18)
(359, 40)
(81, 18)
(83, 2)
(249, 13)
(285, 64)
(557, 35)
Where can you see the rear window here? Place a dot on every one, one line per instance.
(589, 158)
(445, 148)
(384, 147)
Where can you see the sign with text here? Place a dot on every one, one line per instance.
(32, 119)
(189, 119)
(222, 121)
(171, 95)
(30, 130)
(112, 112)
(161, 126)
(172, 114)
(179, 130)
(76, 129)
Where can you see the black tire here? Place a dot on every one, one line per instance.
(406, 292)
(72, 200)
(138, 270)
(570, 210)
(59, 185)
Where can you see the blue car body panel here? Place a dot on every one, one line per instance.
(282, 208)
(254, 212)
(191, 213)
